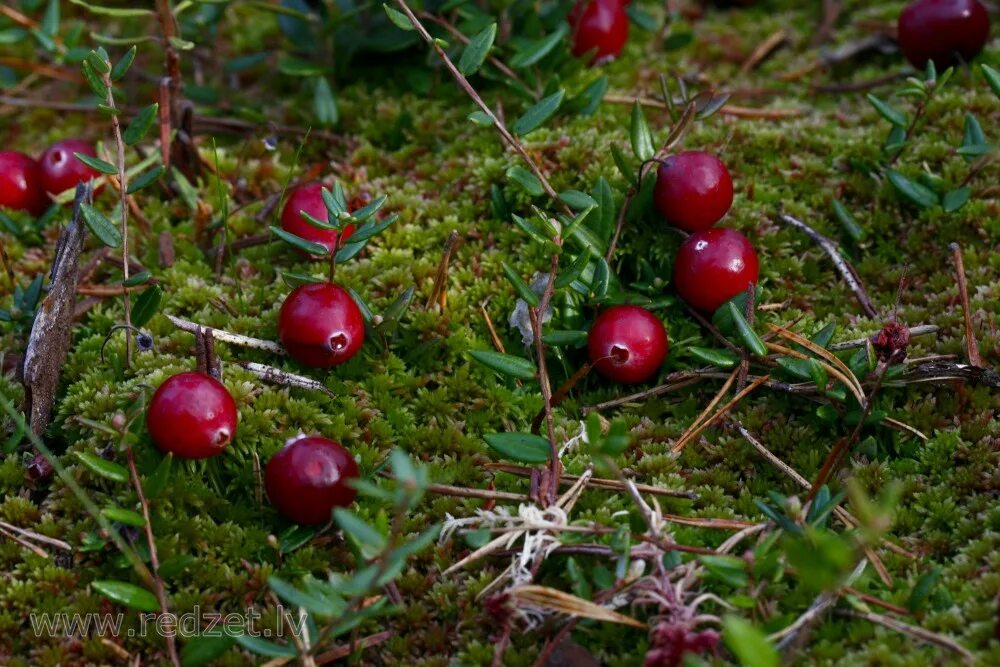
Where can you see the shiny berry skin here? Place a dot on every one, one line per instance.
(308, 478)
(945, 31)
(713, 266)
(61, 170)
(627, 344)
(309, 198)
(599, 26)
(21, 183)
(192, 416)
(693, 190)
(320, 325)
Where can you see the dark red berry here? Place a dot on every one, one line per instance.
(693, 190)
(192, 416)
(945, 31)
(309, 477)
(600, 27)
(61, 170)
(309, 198)
(713, 266)
(320, 325)
(21, 183)
(627, 344)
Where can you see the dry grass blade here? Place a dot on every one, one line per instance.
(915, 632)
(708, 410)
(551, 599)
(821, 352)
(835, 372)
(764, 49)
(723, 410)
(37, 550)
(595, 482)
(901, 426)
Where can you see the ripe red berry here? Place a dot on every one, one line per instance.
(627, 344)
(599, 26)
(309, 198)
(713, 266)
(21, 183)
(61, 170)
(945, 31)
(308, 478)
(192, 415)
(693, 190)
(320, 325)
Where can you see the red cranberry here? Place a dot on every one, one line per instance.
(61, 170)
(713, 266)
(21, 183)
(308, 478)
(945, 31)
(693, 190)
(627, 344)
(309, 198)
(192, 416)
(320, 325)
(599, 26)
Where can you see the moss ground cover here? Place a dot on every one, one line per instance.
(421, 391)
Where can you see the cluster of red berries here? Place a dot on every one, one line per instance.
(26, 183)
(693, 192)
(193, 416)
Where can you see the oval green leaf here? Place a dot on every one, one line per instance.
(523, 447)
(130, 595)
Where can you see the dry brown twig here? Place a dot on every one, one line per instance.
(439, 293)
(726, 110)
(971, 345)
(764, 49)
(847, 272)
(697, 430)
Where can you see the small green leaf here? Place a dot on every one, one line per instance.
(575, 270)
(577, 200)
(642, 140)
(112, 11)
(847, 221)
(956, 199)
(265, 648)
(589, 99)
(144, 179)
(369, 210)
(50, 21)
(623, 162)
(992, 77)
(891, 114)
(398, 18)
(127, 517)
(476, 51)
(973, 134)
(602, 277)
(293, 280)
(750, 646)
(121, 67)
(565, 338)
(157, 481)
(137, 279)
(720, 358)
(97, 163)
(818, 374)
(922, 589)
(201, 650)
(106, 469)
(358, 529)
(313, 603)
(324, 103)
(372, 228)
(522, 288)
(146, 305)
(749, 336)
(528, 181)
(102, 228)
(334, 201)
(912, 191)
(523, 447)
(94, 80)
(300, 243)
(506, 364)
(538, 114)
(535, 51)
(480, 118)
(130, 595)
(100, 65)
(294, 537)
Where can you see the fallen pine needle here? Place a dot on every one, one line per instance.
(551, 599)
